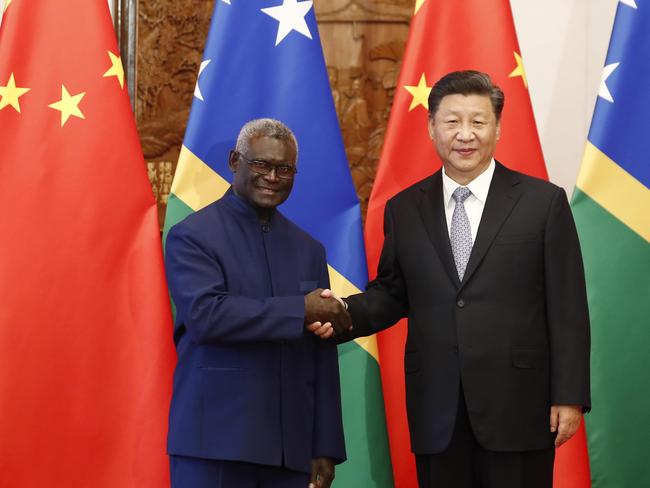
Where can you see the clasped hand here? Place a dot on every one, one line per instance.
(325, 314)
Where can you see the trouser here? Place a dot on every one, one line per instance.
(189, 472)
(465, 464)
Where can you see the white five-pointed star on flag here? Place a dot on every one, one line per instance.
(631, 3)
(197, 88)
(604, 90)
(291, 16)
(226, 1)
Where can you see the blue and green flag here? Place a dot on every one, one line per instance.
(264, 59)
(611, 205)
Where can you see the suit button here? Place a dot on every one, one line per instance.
(460, 303)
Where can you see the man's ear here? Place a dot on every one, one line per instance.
(498, 130)
(233, 161)
(430, 127)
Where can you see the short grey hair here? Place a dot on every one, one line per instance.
(264, 128)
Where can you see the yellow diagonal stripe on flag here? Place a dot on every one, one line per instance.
(616, 190)
(343, 288)
(195, 183)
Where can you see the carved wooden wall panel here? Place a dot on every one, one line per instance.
(363, 42)
(170, 39)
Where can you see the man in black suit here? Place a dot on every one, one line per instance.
(485, 263)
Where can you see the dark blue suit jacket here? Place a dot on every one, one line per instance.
(251, 384)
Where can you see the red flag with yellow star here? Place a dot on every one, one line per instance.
(86, 355)
(448, 35)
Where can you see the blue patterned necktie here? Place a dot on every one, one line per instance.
(461, 233)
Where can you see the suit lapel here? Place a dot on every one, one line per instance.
(501, 199)
(432, 212)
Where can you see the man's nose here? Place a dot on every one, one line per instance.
(272, 175)
(465, 133)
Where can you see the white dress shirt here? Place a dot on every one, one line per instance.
(474, 204)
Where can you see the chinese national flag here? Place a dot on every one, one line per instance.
(449, 35)
(85, 325)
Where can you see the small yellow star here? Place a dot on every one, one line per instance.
(418, 4)
(68, 105)
(519, 70)
(10, 93)
(420, 93)
(116, 69)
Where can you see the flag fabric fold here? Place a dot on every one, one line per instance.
(264, 59)
(447, 36)
(611, 204)
(85, 326)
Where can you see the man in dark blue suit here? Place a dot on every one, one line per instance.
(256, 399)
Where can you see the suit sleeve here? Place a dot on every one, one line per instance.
(566, 307)
(328, 440)
(385, 300)
(209, 312)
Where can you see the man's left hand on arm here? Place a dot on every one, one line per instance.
(565, 420)
(322, 472)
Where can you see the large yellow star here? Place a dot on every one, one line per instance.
(10, 93)
(519, 70)
(420, 93)
(116, 69)
(418, 4)
(68, 105)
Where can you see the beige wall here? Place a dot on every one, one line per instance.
(564, 43)
(111, 5)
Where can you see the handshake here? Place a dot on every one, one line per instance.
(326, 314)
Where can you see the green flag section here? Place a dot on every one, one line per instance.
(264, 59)
(611, 205)
(617, 264)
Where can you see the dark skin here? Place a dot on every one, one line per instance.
(264, 193)
(325, 316)
(322, 473)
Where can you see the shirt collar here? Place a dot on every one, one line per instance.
(243, 208)
(479, 186)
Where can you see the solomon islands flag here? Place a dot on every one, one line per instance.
(611, 204)
(264, 59)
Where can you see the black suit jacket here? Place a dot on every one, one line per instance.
(515, 331)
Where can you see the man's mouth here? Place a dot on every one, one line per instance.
(465, 151)
(267, 191)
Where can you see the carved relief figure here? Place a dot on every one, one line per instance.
(355, 120)
(333, 75)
